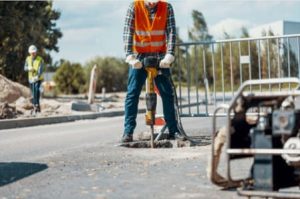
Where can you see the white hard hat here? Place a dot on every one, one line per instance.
(32, 49)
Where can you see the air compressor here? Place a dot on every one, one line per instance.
(263, 126)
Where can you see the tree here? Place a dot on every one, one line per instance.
(178, 69)
(226, 72)
(289, 60)
(229, 53)
(70, 78)
(24, 23)
(200, 31)
(249, 48)
(200, 66)
(269, 56)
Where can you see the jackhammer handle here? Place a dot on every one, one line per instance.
(151, 62)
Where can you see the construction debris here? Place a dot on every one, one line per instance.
(15, 102)
(7, 111)
(24, 103)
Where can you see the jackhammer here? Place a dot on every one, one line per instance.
(151, 66)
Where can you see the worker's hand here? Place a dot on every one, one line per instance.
(35, 78)
(134, 62)
(167, 61)
(30, 69)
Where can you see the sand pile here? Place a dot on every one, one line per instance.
(11, 91)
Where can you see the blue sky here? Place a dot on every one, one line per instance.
(94, 27)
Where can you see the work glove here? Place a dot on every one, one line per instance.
(134, 62)
(35, 79)
(167, 61)
(30, 69)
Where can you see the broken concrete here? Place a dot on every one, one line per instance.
(24, 103)
(83, 106)
(7, 111)
(142, 140)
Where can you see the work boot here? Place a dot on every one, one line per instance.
(38, 108)
(127, 138)
(176, 136)
(33, 110)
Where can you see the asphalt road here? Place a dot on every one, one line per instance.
(81, 160)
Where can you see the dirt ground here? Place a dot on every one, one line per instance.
(61, 105)
(15, 102)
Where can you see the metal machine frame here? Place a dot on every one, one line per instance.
(228, 181)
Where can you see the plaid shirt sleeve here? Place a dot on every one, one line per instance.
(129, 30)
(171, 31)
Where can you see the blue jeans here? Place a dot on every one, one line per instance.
(136, 80)
(35, 90)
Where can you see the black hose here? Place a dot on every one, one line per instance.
(153, 61)
(177, 114)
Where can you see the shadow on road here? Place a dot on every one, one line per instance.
(14, 171)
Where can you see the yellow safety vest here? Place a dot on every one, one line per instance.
(35, 65)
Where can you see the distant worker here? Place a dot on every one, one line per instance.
(149, 31)
(34, 64)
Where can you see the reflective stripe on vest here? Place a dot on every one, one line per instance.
(146, 44)
(150, 36)
(151, 33)
(35, 65)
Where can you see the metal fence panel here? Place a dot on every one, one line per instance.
(209, 73)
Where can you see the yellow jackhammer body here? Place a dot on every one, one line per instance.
(151, 65)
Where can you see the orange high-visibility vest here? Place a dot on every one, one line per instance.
(150, 36)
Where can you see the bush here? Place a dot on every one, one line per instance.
(112, 73)
(70, 78)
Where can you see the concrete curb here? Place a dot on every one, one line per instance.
(19, 123)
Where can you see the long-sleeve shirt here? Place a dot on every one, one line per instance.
(129, 31)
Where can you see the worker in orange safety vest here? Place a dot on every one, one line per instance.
(149, 30)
